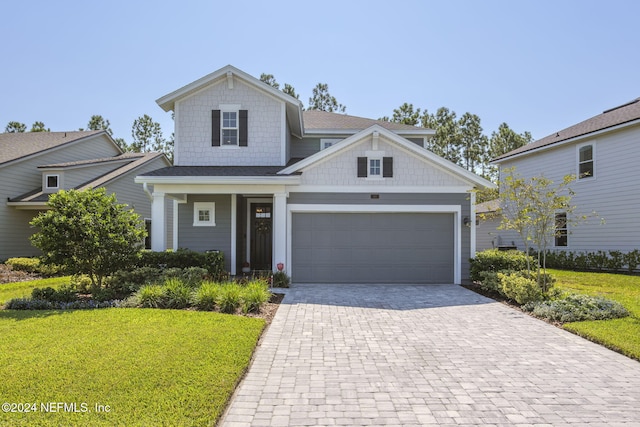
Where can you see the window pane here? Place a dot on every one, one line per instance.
(229, 120)
(374, 167)
(229, 137)
(203, 215)
(586, 153)
(561, 237)
(586, 169)
(52, 181)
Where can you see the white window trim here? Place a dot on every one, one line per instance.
(375, 155)
(230, 108)
(46, 181)
(329, 141)
(593, 159)
(201, 206)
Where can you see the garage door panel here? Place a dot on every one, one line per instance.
(373, 247)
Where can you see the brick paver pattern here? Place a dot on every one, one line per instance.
(427, 355)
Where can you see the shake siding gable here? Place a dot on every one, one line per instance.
(613, 194)
(195, 128)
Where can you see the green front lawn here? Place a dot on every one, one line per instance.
(620, 334)
(150, 367)
(9, 291)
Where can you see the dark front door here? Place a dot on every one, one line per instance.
(261, 240)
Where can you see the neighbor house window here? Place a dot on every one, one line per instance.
(561, 229)
(52, 181)
(229, 128)
(204, 214)
(326, 143)
(585, 162)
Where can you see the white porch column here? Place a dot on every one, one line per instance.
(158, 226)
(279, 230)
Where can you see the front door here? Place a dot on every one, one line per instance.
(261, 237)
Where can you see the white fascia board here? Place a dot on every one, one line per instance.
(379, 189)
(566, 141)
(331, 132)
(29, 205)
(226, 180)
(180, 190)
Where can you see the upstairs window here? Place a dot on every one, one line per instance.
(585, 162)
(375, 167)
(229, 128)
(326, 143)
(561, 238)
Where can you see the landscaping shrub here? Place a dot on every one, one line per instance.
(66, 293)
(576, 308)
(28, 304)
(254, 295)
(212, 261)
(229, 297)
(489, 280)
(495, 260)
(139, 276)
(281, 279)
(519, 288)
(176, 294)
(34, 265)
(38, 304)
(631, 260)
(206, 296)
(612, 261)
(81, 283)
(151, 296)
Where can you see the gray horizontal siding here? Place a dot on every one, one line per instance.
(201, 239)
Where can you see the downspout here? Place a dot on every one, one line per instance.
(145, 187)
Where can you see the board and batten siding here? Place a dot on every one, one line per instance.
(461, 199)
(194, 128)
(22, 176)
(613, 193)
(202, 239)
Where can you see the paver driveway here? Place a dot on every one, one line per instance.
(427, 355)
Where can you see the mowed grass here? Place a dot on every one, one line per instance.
(9, 291)
(619, 334)
(151, 367)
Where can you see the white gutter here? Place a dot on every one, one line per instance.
(252, 180)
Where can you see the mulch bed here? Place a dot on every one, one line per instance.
(8, 275)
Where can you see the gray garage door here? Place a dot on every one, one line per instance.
(372, 247)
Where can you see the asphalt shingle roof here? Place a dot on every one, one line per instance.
(14, 146)
(318, 120)
(609, 118)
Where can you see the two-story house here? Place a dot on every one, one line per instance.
(34, 165)
(602, 153)
(332, 197)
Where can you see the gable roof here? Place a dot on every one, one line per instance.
(122, 157)
(318, 122)
(293, 105)
(15, 146)
(623, 115)
(136, 160)
(377, 130)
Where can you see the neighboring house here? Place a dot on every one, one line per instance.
(602, 152)
(34, 165)
(335, 198)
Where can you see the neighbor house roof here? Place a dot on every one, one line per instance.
(625, 114)
(120, 158)
(136, 160)
(15, 146)
(316, 121)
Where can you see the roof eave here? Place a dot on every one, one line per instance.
(551, 145)
(226, 180)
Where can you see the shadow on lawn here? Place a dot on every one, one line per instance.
(31, 314)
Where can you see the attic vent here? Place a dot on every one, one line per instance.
(621, 106)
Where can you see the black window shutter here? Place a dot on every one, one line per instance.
(215, 128)
(387, 167)
(362, 167)
(242, 138)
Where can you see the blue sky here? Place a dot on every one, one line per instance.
(538, 65)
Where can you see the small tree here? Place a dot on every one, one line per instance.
(89, 233)
(15, 127)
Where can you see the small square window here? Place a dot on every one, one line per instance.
(52, 181)
(375, 167)
(326, 143)
(204, 214)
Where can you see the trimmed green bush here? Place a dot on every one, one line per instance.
(576, 308)
(213, 262)
(281, 280)
(495, 260)
(519, 288)
(176, 294)
(66, 293)
(30, 265)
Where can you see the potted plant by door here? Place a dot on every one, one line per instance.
(246, 267)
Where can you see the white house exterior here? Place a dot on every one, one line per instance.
(34, 165)
(335, 198)
(603, 153)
